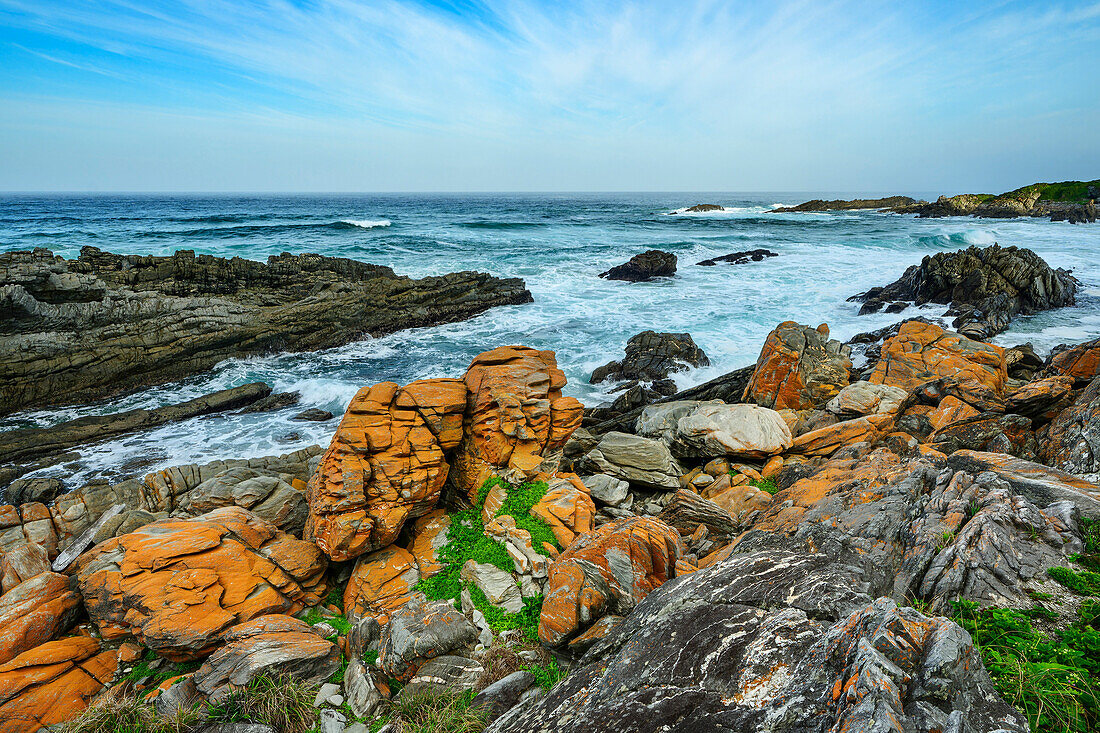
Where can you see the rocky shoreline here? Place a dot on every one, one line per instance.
(803, 544)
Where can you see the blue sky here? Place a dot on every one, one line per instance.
(345, 95)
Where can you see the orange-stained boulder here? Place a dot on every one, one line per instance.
(22, 562)
(826, 441)
(385, 464)
(429, 534)
(950, 410)
(1072, 441)
(922, 352)
(567, 507)
(34, 612)
(381, 583)
(1042, 399)
(740, 501)
(1082, 362)
(52, 683)
(516, 418)
(608, 571)
(176, 585)
(799, 368)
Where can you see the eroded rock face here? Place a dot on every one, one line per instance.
(34, 612)
(773, 641)
(1073, 439)
(607, 572)
(177, 585)
(266, 644)
(385, 465)
(799, 368)
(76, 330)
(516, 418)
(923, 352)
(1082, 362)
(985, 287)
(53, 683)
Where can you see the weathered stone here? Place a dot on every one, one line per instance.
(988, 431)
(429, 534)
(498, 586)
(799, 368)
(737, 431)
(266, 645)
(1082, 362)
(501, 696)
(566, 507)
(361, 688)
(638, 461)
(21, 562)
(381, 583)
(52, 683)
(607, 489)
(385, 465)
(649, 264)
(1042, 399)
(1072, 441)
(606, 572)
(826, 441)
(661, 420)
(687, 511)
(951, 410)
(516, 419)
(177, 585)
(34, 612)
(864, 398)
(1040, 484)
(269, 497)
(421, 631)
(651, 356)
(451, 673)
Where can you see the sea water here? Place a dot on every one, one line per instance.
(558, 244)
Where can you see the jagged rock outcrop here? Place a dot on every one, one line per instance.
(651, 356)
(385, 465)
(799, 368)
(516, 420)
(846, 205)
(608, 571)
(1072, 201)
(36, 611)
(984, 287)
(381, 583)
(178, 585)
(646, 266)
(1073, 438)
(77, 330)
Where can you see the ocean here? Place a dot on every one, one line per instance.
(558, 243)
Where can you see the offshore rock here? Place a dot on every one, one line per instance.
(78, 330)
(985, 288)
(649, 264)
(800, 368)
(651, 356)
(385, 465)
(845, 205)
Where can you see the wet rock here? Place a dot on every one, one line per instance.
(225, 567)
(385, 465)
(799, 368)
(638, 461)
(846, 205)
(30, 490)
(703, 208)
(985, 287)
(34, 612)
(274, 401)
(1072, 441)
(82, 329)
(53, 683)
(650, 264)
(266, 645)
(739, 258)
(313, 415)
(420, 631)
(606, 572)
(652, 356)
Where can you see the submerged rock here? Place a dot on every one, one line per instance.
(650, 264)
(739, 258)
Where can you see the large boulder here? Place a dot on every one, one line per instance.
(1073, 439)
(649, 264)
(77, 330)
(516, 420)
(21, 562)
(607, 572)
(177, 585)
(985, 287)
(1082, 362)
(381, 583)
(36, 611)
(270, 497)
(385, 465)
(651, 356)
(737, 431)
(420, 631)
(53, 683)
(799, 368)
(864, 398)
(640, 461)
(923, 352)
(266, 645)
(772, 641)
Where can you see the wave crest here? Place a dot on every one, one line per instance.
(367, 223)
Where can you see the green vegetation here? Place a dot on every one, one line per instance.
(466, 540)
(129, 715)
(313, 617)
(764, 484)
(144, 672)
(1085, 582)
(441, 711)
(1069, 191)
(335, 597)
(945, 539)
(547, 675)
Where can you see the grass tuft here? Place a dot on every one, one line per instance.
(441, 711)
(112, 714)
(278, 701)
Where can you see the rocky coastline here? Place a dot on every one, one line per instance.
(823, 540)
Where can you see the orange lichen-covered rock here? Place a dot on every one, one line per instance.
(176, 585)
(1082, 362)
(1072, 442)
(607, 572)
(385, 464)
(52, 683)
(567, 507)
(516, 418)
(799, 368)
(429, 534)
(922, 352)
(826, 441)
(741, 501)
(34, 612)
(951, 410)
(1042, 399)
(381, 583)
(20, 562)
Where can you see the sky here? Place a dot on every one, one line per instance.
(461, 95)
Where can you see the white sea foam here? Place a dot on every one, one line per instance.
(367, 223)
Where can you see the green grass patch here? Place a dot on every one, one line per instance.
(441, 711)
(1052, 680)
(1069, 191)
(1084, 582)
(547, 675)
(144, 673)
(335, 597)
(466, 540)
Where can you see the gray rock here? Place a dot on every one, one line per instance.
(497, 585)
(641, 461)
(650, 264)
(501, 696)
(1040, 484)
(1073, 438)
(313, 414)
(660, 420)
(28, 490)
(361, 688)
(332, 721)
(607, 489)
(268, 496)
(420, 631)
(180, 697)
(326, 691)
(444, 673)
(274, 401)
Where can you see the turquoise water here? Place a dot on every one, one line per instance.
(558, 244)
